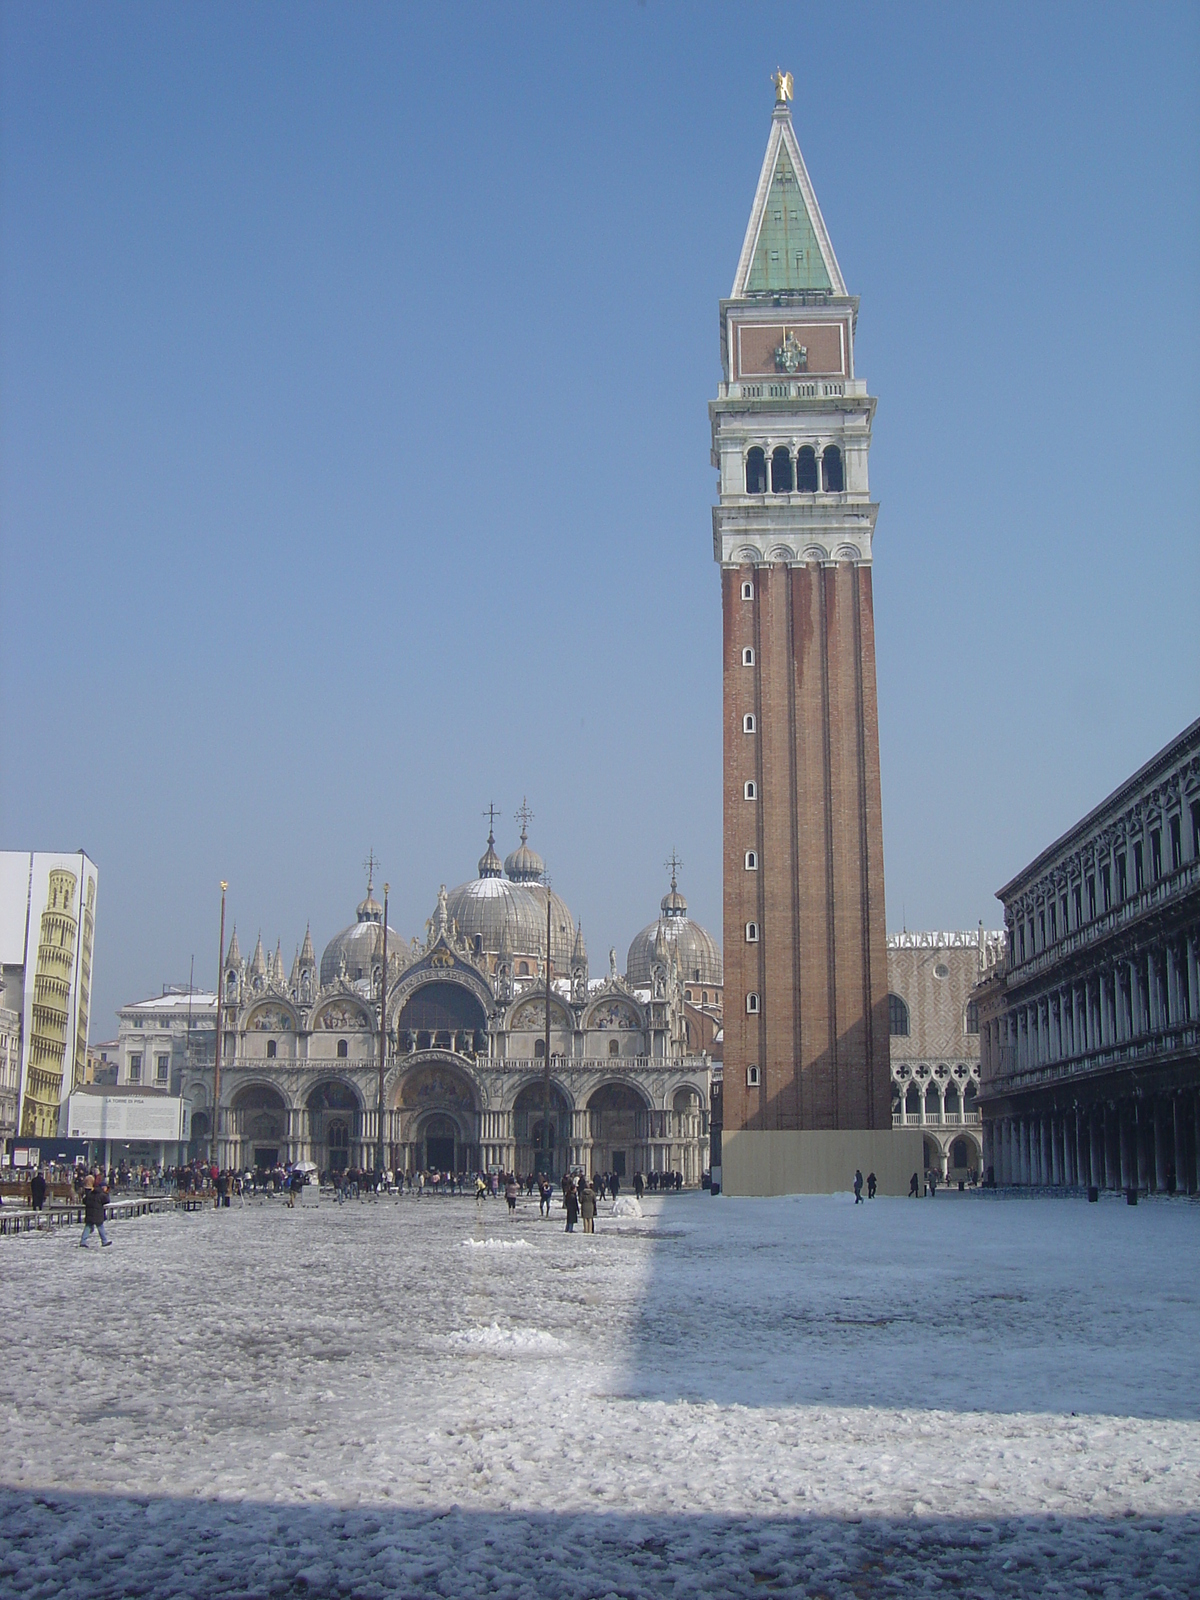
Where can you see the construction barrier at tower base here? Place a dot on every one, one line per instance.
(819, 1161)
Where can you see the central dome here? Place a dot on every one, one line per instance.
(492, 911)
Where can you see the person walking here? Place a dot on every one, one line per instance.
(858, 1183)
(914, 1187)
(614, 1185)
(587, 1206)
(545, 1195)
(95, 1199)
(639, 1185)
(871, 1186)
(511, 1192)
(570, 1203)
(37, 1192)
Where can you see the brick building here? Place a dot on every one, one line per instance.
(806, 1079)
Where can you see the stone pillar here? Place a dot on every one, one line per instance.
(1128, 1168)
(1158, 1174)
(1095, 1157)
(1179, 1129)
(1142, 1131)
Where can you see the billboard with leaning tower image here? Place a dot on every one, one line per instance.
(60, 930)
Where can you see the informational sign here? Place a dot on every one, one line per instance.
(59, 939)
(129, 1118)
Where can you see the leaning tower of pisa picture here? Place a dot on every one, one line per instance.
(51, 1007)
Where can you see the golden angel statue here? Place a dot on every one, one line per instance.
(783, 86)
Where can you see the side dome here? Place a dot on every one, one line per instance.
(699, 953)
(361, 942)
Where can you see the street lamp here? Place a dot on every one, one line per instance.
(382, 1037)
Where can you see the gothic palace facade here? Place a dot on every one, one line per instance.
(465, 1051)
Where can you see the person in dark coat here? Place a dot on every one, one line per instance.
(570, 1203)
(614, 1185)
(545, 1195)
(858, 1182)
(914, 1187)
(37, 1191)
(639, 1185)
(95, 1199)
(871, 1186)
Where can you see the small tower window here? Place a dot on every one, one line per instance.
(752, 1005)
(343, 1049)
(781, 471)
(751, 860)
(833, 479)
(271, 1051)
(752, 933)
(747, 591)
(756, 471)
(614, 1047)
(747, 656)
(752, 1079)
(806, 470)
(750, 791)
(748, 722)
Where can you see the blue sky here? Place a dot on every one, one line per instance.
(354, 471)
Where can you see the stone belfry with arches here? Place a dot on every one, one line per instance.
(806, 1073)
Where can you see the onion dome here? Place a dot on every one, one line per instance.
(489, 861)
(524, 865)
(698, 952)
(359, 944)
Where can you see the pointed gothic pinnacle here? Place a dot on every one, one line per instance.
(308, 956)
(233, 955)
(258, 960)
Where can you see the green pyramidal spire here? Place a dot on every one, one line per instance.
(787, 255)
(787, 244)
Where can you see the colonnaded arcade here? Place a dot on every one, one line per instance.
(465, 1053)
(1090, 1013)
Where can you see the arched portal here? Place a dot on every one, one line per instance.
(334, 1124)
(529, 1123)
(434, 1100)
(618, 1128)
(259, 1127)
(441, 1144)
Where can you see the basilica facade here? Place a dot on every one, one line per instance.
(464, 1012)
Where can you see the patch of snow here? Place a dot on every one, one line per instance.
(735, 1398)
(494, 1337)
(627, 1205)
(496, 1244)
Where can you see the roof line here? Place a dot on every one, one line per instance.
(1163, 758)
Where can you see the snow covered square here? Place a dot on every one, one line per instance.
(971, 1396)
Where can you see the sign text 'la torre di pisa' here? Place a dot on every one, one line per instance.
(807, 1097)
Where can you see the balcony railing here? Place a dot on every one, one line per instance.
(1172, 886)
(1152, 1047)
(935, 1119)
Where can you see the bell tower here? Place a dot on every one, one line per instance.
(806, 1014)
